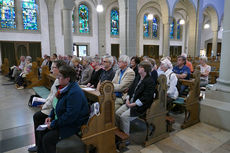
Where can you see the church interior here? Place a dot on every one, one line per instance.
(155, 35)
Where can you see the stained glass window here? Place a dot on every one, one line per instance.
(83, 19)
(7, 14)
(178, 30)
(29, 14)
(146, 26)
(155, 27)
(73, 20)
(114, 22)
(172, 30)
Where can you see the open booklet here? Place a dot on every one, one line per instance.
(38, 101)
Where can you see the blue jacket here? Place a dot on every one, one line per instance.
(72, 111)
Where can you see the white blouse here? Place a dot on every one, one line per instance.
(171, 83)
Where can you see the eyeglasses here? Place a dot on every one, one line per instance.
(106, 61)
(54, 67)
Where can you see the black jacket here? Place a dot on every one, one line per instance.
(144, 93)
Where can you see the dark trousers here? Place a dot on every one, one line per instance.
(20, 80)
(47, 141)
(39, 118)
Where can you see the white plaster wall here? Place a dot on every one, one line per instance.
(172, 4)
(42, 37)
(111, 40)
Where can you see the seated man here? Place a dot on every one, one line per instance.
(188, 64)
(139, 98)
(16, 70)
(204, 71)
(123, 79)
(182, 72)
(107, 73)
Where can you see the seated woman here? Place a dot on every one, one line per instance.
(21, 78)
(40, 116)
(96, 63)
(77, 66)
(172, 92)
(204, 71)
(70, 112)
(139, 98)
(87, 72)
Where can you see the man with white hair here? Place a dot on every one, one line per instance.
(188, 64)
(122, 80)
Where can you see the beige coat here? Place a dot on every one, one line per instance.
(126, 80)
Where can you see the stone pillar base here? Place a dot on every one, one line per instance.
(215, 109)
(223, 85)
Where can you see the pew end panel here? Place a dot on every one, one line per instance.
(32, 77)
(100, 130)
(156, 115)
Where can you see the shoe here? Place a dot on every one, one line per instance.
(32, 149)
(21, 87)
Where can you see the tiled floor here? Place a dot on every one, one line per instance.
(16, 130)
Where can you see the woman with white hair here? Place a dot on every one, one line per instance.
(172, 92)
(204, 71)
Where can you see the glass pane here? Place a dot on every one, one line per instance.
(7, 14)
(83, 19)
(29, 14)
(171, 30)
(146, 27)
(82, 51)
(155, 27)
(73, 20)
(178, 29)
(114, 22)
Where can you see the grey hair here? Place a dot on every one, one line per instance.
(97, 59)
(29, 58)
(88, 59)
(110, 58)
(76, 59)
(125, 58)
(204, 58)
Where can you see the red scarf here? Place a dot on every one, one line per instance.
(58, 93)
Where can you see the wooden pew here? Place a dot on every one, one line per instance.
(5, 66)
(191, 103)
(100, 130)
(213, 75)
(32, 76)
(156, 114)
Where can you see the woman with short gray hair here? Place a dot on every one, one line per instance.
(204, 71)
(87, 72)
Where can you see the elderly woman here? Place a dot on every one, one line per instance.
(204, 71)
(21, 78)
(70, 111)
(139, 98)
(172, 92)
(96, 63)
(40, 116)
(77, 66)
(87, 72)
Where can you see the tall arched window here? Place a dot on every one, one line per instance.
(146, 26)
(29, 14)
(172, 26)
(114, 22)
(7, 14)
(83, 19)
(179, 30)
(155, 27)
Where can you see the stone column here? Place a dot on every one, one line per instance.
(223, 82)
(166, 43)
(50, 8)
(67, 26)
(128, 27)
(214, 42)
(101, 33)
(19, 20)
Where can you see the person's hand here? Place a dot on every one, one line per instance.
(47, 120)
(48, 125)
(40, 106)
(92, 86)
(127, 102)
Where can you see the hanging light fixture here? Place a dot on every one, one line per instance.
(182, 22)
(150, 16)
(100, 8)
(206, 26)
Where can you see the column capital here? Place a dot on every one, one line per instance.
(67, 4)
